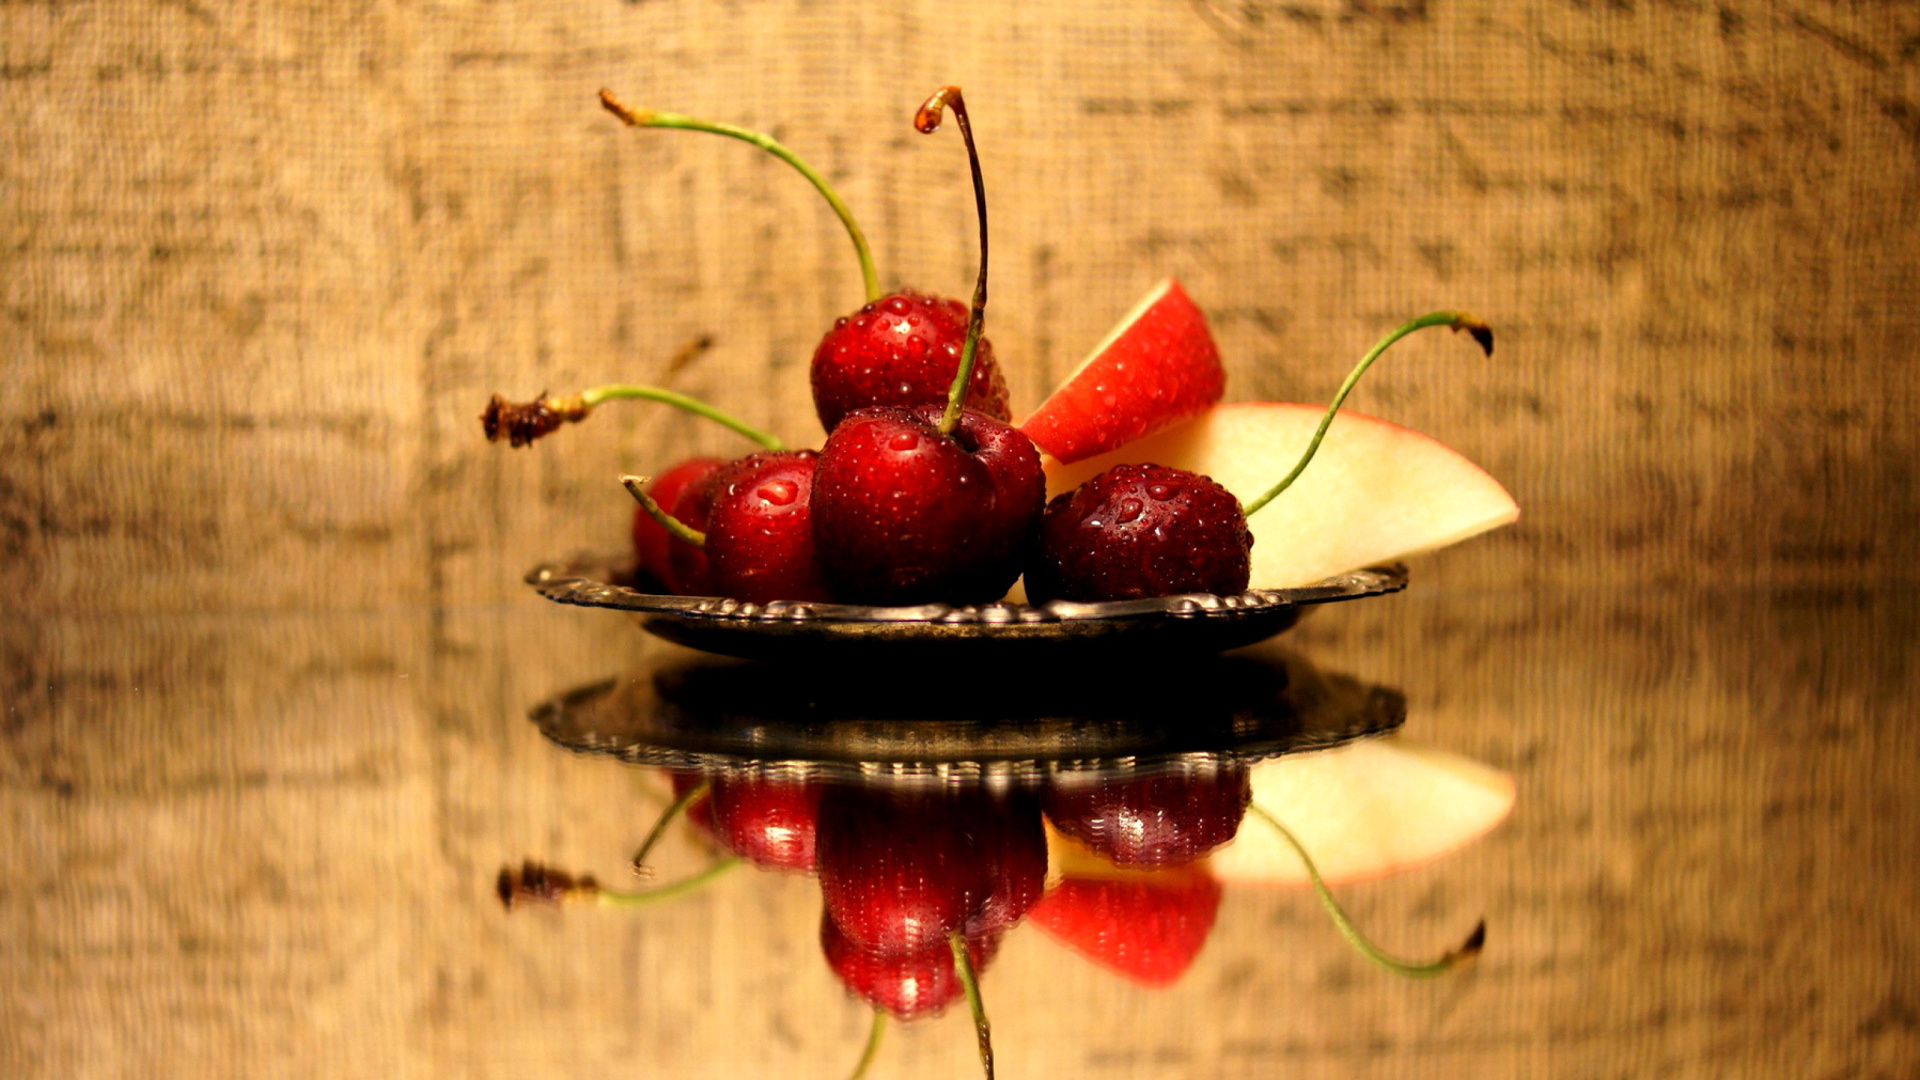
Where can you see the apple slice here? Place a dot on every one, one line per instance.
(1364, 810)
(1156, 368)
(1376, 493)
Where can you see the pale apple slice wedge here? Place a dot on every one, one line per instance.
(1364, 810)
(1376, 492)
(1158, 366)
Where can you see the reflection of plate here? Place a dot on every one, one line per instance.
(711, 713)
(1191, 624)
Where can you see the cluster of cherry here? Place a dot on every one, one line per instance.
(902, 871)
(924, 491)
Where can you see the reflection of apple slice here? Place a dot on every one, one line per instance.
(1145, 927)
(1376, 492)
(1157, 367)
(1364, 810)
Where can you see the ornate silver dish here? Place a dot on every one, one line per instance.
(1193, 623)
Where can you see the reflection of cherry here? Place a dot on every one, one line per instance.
(764, 819)
(906, 985)
(900, 871)
(1153, 821)
(767, 821)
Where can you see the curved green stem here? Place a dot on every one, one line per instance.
(970, 984)
(873, 1045)
(679, 530)
(650, 118)
(1467, 950)
(927, 121)
(634, 391)
(643, 897)
(679, 806)
(1458, 320)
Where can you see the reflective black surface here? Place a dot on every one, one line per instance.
(703, 712)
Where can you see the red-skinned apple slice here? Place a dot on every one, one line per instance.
(1156, 368)
(1365, 810)
(1376, 493)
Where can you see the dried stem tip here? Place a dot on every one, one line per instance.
(927, 120)
(522, 422)
(534, 883)
(633, 117)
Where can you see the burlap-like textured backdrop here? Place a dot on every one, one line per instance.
(261, 264)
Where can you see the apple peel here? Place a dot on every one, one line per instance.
(1159, 365)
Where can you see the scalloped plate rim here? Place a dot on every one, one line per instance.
(565, 582)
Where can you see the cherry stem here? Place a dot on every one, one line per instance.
(1467, 950)
(652, 118)
(927, 121)
(679, 530)
(872, 1051)
(963, 967)
(1458, 320)
(679, 806)
(631, 391)
(641, 898)
(520, 423)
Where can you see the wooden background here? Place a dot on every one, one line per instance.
(266, 656)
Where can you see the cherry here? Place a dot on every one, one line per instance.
(904, 514)
(924, 504)
(909, 985)
(903, 349)
(767, 820)
(760, 529)
(902, 870)
(896, 874)
(651, 542)
(900, 349)
(1137, 531)
(747, 533)
(1153, 821)
(686, 570)
(1013, 841)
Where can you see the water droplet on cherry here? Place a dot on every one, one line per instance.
(779, 492)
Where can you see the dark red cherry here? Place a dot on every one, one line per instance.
(687, 563)
(1152, 821)
(651, 541)
(1013, 840)
(905, 515)
(902, 349)
(1138, 531)
(906, 985)
(898, 872)
(759, 529)
(769, 821)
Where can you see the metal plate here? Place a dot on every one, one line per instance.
(1188, 624)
